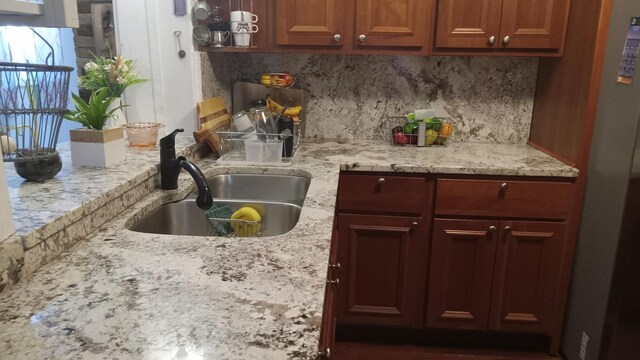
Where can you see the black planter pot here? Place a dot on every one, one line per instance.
(39, 165)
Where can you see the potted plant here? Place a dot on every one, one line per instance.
(95, 145)
(114, 74)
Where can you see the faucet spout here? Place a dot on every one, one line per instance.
(170, 167)
(204, 199)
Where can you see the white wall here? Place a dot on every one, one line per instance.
(144, 32)
(6, 219)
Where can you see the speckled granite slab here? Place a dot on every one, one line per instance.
(454, 158)
(76, 190)
(120, 294)
(51, 216)
(490, 99)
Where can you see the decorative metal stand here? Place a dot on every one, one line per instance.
(33, 99)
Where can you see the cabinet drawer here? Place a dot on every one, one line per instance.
(525, 199)
(381, 193)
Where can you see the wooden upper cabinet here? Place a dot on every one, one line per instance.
(468, 23)
(527, 25)
(310, 22)
(398, 23)
(533, 24)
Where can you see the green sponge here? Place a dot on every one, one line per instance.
(220, 228)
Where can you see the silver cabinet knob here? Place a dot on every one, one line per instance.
(492, 40)
(506, 40)
(504, 186)
(492, 229)
(362, 37)
(414, 224)
(326, 354)
(337, 37)
(507, 228)
(334, 282)
(381, 181)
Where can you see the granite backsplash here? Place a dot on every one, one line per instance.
(490, 99)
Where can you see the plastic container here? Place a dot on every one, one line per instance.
(142, 135)
(272, 151)
(254, 150)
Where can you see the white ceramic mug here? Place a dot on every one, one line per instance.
(243, 40)
(243, 27)
(243, 16)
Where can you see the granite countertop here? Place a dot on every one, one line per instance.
(121, 294)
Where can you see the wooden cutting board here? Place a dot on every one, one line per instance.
(213, 116)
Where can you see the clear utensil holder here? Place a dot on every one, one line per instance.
(251, 148)
(268, 150)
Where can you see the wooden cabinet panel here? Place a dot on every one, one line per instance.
(328, 323)
(381, 275)
(310, 22)
(461, 273)
(513, 199)
(525, 283)
(534, 24)
(468, 23)
(389, 194)
(395, 23)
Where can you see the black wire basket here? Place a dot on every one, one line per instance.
(33, 100)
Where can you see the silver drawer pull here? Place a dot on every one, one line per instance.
(381, 181)
(504, 186)
(492, 229)
(336, 281)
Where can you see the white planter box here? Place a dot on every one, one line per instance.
(97, 148)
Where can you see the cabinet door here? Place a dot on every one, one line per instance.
(526, 276)
(468, 23)
(382, 270)
(533, 24)
(310, 22)
(397, 23)
(461, 272)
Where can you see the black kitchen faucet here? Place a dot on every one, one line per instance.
(170, 167)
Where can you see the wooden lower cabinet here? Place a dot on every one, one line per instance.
(494, 275)
(382, 272)
(526, 276)
(462, 257)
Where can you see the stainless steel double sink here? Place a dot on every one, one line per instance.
(278, 199)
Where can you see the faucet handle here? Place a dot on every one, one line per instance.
(169, 141)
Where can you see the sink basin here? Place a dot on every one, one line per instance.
(277, 188)
(186, 218)
(278, 199)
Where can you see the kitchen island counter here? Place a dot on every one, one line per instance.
(121, 294)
